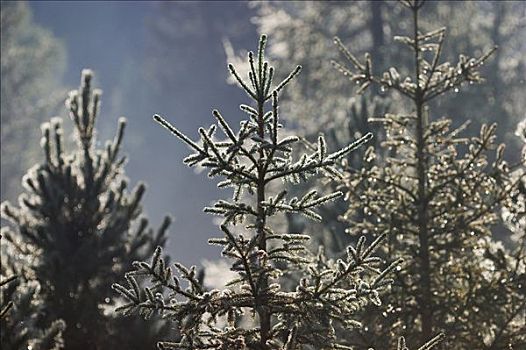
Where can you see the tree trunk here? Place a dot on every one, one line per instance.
(425, 302)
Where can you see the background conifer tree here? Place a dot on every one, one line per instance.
(329, 232)
(514, 212)
(437, 195)
(514, 217)
(77, 228)
(303, 32)
(21, 318)
(7, 302)
(256, 310)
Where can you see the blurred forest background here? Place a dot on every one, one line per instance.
(170, 58)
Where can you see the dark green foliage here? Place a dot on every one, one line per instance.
(7, 303)
(437, 196)
(21, 320)
(257, 310)
(77, 228)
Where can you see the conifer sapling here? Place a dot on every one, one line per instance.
(437, 195)
(255, 310)
(78, 228)
(22, 322)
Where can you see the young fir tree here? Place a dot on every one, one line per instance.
(437, 196)
(21, 317)
(256, 310)
(77, 228)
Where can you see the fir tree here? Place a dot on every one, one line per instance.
(437, 195)
(514, 212)
(256, 310)
(21, 318)
(514, 216)
(7, 303)
(78, 228)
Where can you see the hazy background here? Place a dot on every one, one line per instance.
(121, 41)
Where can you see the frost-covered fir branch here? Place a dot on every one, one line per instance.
(77, 228)
(6, 304)
(514, 217)
(22, 324)
(255, 310)
(437, 196)
(514, 212)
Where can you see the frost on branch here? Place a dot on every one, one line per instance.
(76, 228)
(438, 195)
(255, 310)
